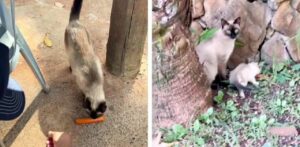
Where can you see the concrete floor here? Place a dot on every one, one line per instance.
(126, 123)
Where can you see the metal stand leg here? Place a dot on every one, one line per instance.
(6, 21)
(26, 53)
(5, 16)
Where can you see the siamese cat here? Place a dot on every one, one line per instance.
(243, 74)
(85, 64)
(214, 53)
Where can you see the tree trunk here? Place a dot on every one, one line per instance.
(127, 35)
(180, 88)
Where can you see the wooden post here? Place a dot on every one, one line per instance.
(127, 35)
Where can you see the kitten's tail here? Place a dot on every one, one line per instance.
(75, 11)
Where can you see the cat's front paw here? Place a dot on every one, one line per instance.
(242, 94)
(256, 83)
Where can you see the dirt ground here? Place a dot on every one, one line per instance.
(126, 123)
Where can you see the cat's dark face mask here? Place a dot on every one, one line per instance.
(231, 30)
(94, 113)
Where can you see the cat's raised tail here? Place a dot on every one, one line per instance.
(75, 11)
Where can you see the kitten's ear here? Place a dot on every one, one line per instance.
(224, 22)
(237, 21)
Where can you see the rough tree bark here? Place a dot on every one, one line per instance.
(180, 88)
(127, 35)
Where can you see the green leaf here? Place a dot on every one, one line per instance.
(210, 111)
(205, 117)
(230, 102)
(254, 121)
(170, 137)
(292, 83)
(296, 67)
(271, 121)
(280, 66)
(278, 102)
(197, 126)
(283, 103)
(234, 114)
(281, 79)
(219, 97)
(200, 141)
(263, 117)
(162, 31)
(180, 131)
(206, 35)
(238, 44)
(282, 92)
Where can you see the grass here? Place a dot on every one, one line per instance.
(207, 35)
(244, 122)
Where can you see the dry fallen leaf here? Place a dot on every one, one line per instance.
(283, 131)
(47, 41)
(261, 77)
(59, 5)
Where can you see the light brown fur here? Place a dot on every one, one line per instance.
(85, 64)
(214, 53)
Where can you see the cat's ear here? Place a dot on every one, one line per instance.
(224, 22)
(237, 21)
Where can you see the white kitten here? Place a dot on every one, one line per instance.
(243, 74)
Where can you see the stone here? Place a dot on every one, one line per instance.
(213, 12)
(274, 4)
(286, 20)
(296, 5)
(273, 50)
(284, 131)
(198, 9)
(293, 49)
(253, 24)
(270, 32)
(196, 30)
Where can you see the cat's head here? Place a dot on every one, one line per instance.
(94, 102)
(231, 28)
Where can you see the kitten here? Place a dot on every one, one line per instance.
(85, 64)
(214, 53)
(243, 74)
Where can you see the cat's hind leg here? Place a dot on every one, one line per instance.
(211, 71)
(222, 71)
